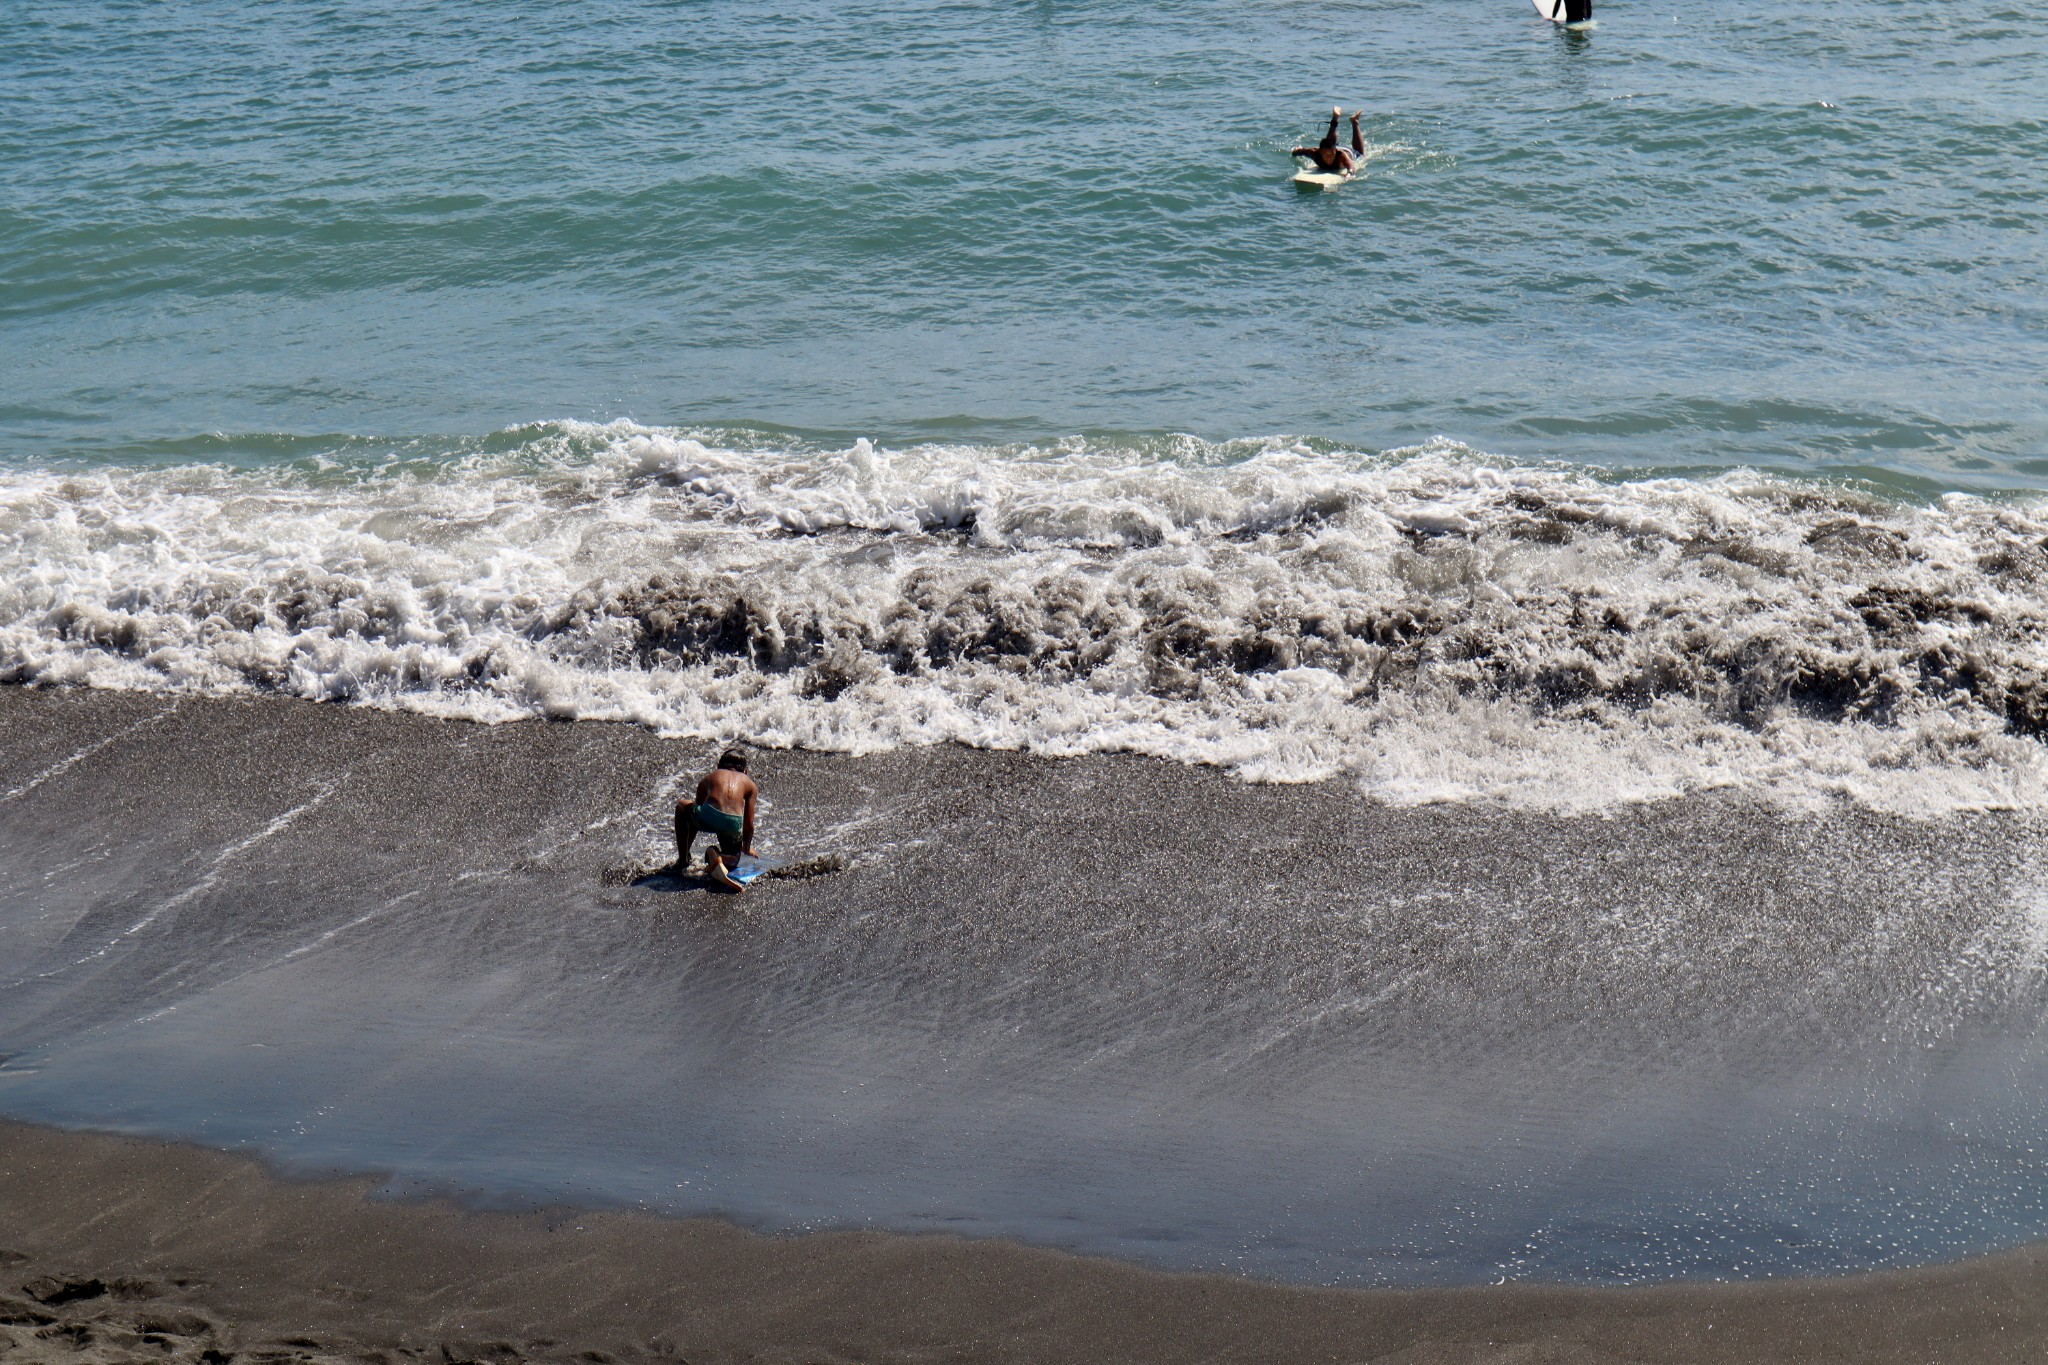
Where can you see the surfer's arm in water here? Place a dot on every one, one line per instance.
(1320, 153)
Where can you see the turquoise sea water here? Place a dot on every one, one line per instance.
(1807, 234)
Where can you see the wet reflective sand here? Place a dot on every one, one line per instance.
(1112, 1006)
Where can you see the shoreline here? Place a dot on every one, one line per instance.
(139, 1245)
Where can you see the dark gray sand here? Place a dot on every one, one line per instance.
(128, 1250)
(1110, 1006)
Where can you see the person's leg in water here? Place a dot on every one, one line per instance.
(686, 832)
(716, 861)
(714, 866)
(1357, 140)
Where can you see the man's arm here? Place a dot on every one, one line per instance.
(1303, 151)
(747, 822)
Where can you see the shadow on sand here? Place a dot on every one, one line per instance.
(672, 879)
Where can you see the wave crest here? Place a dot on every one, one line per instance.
(1435, 623)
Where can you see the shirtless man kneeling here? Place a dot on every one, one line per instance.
(724, 808)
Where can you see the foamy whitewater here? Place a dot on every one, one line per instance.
(1431, 623)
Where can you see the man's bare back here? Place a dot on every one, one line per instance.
(730, 791)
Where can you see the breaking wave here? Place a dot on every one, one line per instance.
(1433, 623)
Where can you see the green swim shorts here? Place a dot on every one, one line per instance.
(727, 826)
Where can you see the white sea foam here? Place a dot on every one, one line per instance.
(1435, 624)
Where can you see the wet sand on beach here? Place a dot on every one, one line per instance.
(1056, 1033)
(121, 1249)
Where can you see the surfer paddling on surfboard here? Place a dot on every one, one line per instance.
(1328, 156)
(724, 808)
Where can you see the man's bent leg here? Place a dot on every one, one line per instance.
(686, 832)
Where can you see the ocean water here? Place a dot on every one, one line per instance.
(860, 375)
(1809, 235)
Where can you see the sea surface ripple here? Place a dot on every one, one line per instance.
(1802, 234)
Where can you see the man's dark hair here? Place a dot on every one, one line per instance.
(733, 759)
